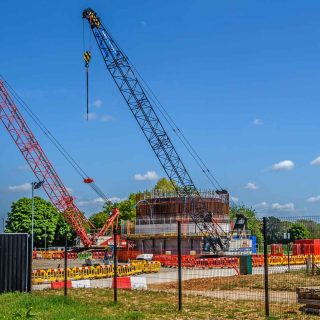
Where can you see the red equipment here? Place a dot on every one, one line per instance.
(115, 213)
(308, 246)
(39, 163)
(276, 249)
(41, 166)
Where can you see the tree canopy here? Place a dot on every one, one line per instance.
(126, 207)
(298, 231)
(48, 222)
(165, 185)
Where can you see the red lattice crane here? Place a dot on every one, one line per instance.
(111, 222)
(39, 163)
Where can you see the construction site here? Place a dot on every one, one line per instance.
(187, 242)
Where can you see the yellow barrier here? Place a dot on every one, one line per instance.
(293, 260)
(147, 266)
(105, 271)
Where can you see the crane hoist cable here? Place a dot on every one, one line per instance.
(142, 108)
(177, 131)
(87, 57)
(86, 179)
(172, 124)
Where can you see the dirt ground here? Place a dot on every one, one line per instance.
(279, 282)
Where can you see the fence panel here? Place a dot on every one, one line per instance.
(294, 264)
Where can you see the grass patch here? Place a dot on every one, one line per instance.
(98, 304)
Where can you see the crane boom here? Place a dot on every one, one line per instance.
(39, 163)
(143, 111)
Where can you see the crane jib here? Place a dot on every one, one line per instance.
(135, 95)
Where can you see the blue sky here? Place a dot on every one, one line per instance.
(240, 78)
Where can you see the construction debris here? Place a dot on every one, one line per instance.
(310, 297)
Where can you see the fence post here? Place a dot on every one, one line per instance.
(179, 267)
(65, 265)
(266, 271)
(115, 266)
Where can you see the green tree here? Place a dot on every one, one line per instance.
(275, 230)
(298, 231)
(45, 219)
(312, 226)
(126, 207)
(253, 223)
(165, 185)
(63, 229)
(99, 218)
(48, 222)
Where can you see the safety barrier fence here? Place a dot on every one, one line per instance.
(58, 255)
(103, 271)
(230, 262)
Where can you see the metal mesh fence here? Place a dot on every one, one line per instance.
(233, 284)
(294, 257)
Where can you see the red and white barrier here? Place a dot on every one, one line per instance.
(137, 283)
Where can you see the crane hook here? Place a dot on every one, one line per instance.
(87, 57)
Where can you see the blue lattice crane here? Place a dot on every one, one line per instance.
(141, 106)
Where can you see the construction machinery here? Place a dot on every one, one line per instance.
(142, 107)
(42, 168)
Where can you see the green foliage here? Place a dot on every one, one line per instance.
(45, 219)
(253, 224)
(48, 222)
(298, 231)
(313, 228)
(275, 230)
(165, 185)
(63, 229)
(99, 218)
(126, 207)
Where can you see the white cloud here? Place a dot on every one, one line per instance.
(283, 207)
(149, 175)
(97, 201)
(314, 199)
(96, 103)
(23, 167)
(251, 186)
(92, 202)
(107, 118)
(315, 162)
(143, 23)
(91, 116)
(20, 188)
(284, 165)
(257, 122)
(261, 205)
(115, 199)
(235, 199)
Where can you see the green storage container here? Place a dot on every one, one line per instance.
(245, 264)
